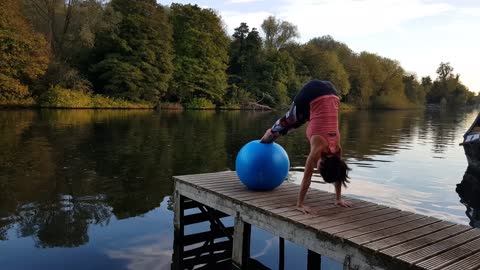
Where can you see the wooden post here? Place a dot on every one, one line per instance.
(281, 255)
(178, 211)
(241, 243)
(314, 261)
(178, 230)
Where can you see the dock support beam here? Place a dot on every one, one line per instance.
(281, 255)
(314, 261)
(178, 224)
(241, 243)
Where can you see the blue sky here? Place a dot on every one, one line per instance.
(418, 33)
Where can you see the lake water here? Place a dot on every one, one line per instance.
(92, 189)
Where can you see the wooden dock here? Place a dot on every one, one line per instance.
(366, 236)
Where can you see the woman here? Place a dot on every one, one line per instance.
(317, 102)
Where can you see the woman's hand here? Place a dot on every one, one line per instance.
(269, 136)
(306, 210)
(342, 203)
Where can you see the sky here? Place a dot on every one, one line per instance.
(418, 33)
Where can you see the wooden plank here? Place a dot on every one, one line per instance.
(358, 205)
(208, 258)
(323, 210)
(203, 175)
(440, 246)
(351, 222)
(204, 236)
(337, 213)
(403, 217)
(201, 217)
(219, 246)
(407, 236)
(210, 179)
(259, 195)
(283, 197)
(310, 199)
(424, 241)
(222, 185)
(254, 201)
(470, 263)
(240, 191)
(189, 204)
(214, 180)
(320, 202)
(392, 231)
(451, 256)
(291, 200)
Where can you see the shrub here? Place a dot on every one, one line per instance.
(199, 103)
(58, 97)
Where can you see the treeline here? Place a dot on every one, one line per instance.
(122, 53)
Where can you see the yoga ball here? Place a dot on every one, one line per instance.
(262, 166)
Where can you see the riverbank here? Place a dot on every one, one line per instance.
(60, 98)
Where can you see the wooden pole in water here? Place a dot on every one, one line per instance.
(281, 257)
(241, 243)
(178, 225)
(314, 261)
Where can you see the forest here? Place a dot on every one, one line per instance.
(141, 54)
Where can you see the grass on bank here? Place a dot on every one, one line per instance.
(58, 97)
(17, 103)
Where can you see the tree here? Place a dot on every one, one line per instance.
(361, 84)
(133, 56)
(325, 65)
(444, 71)
(70, 27)
(201, 48)
(278, 33)
(447, 89)
(414, 91)
(23, 54)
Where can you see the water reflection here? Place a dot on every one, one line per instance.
(65, 172)
(469, 192)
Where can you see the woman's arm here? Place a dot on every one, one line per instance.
(269, 136)
(312, 159)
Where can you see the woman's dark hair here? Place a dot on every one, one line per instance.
(334, 169)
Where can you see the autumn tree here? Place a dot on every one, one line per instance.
(23, 53)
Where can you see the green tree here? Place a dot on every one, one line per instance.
(23, 54)
(246, 61)
(444, 71)
(414, 91)
(447, 89)
(201, 48)
(133, 56)
(277, 73)
(325, 65)
(361, 84)
(278, 33)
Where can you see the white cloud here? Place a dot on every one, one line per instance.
(233, 19)
(470, 11)
(241, 1)
(342, 18)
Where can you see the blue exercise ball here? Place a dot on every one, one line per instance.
(262, 166)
